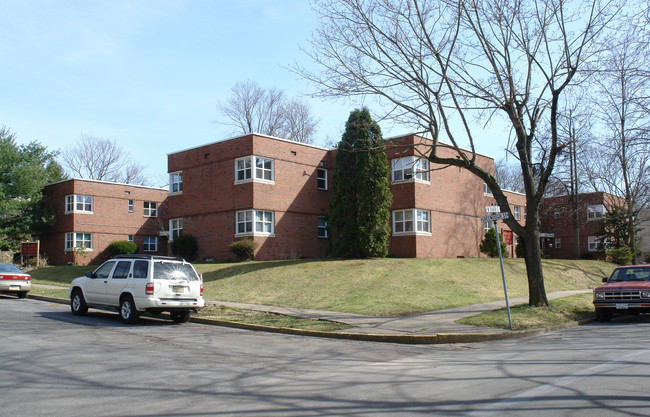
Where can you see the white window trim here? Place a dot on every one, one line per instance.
(318, 178)
(155, 243)
(592, 240)
(172, 183)
(414, 161)
(146, 212)
(74, 204)
(486, 190)
(254, 221)
(324, 228)
(75, 241)
(415, 230)
(179, 221)
(517, 212)
(596, 211)
(130, 205)
(253, 162)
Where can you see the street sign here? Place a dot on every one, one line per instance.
(492, 209)
(495, 217)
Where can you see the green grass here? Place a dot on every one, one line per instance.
(382, 287)
(563, 310)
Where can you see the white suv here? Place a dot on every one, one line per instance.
(134, 284)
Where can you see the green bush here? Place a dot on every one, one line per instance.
(122, 247)
(186, 247)
(244, 249)
(620, 256)
(489, 244)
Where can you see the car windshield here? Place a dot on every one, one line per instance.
(10, 268)
(174, 270)
(631, 274)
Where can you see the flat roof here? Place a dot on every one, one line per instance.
(108, 183)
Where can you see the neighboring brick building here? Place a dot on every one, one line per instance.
(276, 192)
(96, 213)
(558, 217)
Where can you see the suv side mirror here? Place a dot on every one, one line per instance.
(89, 274)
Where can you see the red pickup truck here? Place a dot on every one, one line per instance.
(627, 292)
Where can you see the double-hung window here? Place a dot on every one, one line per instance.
(150, 209)
(254, 168)
(517, 212)
(410, 167)
(411, 221)
(175, 228)
(592, 243)
(176, 182)
(321, 174)
(78, 204)
(254, 222)
(322, 227)
(78, 240)
(150, 244)
(595, 212)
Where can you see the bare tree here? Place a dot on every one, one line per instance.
(438, 64)
(508, 176)
(252, 109)
(101, 159)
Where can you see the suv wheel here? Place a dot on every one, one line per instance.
(22, 294)
(128, 313)
(78, 303)
(180, 316)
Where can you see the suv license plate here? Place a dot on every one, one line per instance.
(180, 288)
(620, 306)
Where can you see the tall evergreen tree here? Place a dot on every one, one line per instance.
(361, 198)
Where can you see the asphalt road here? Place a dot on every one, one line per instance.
(56, 364)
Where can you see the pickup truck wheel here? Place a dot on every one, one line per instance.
(78, 303)
(180, 316)
(128, 312)
(603, 314)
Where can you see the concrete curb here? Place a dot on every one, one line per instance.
(412, 339)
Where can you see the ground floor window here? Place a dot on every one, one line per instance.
(592, 243)
(175, 228)
(322, 227)
(411, 221)
(78, 240)
(254, 222)
(150, 244)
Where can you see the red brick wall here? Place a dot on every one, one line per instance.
(109, 221)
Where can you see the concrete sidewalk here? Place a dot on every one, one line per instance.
(431, 327)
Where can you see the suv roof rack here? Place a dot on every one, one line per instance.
(142, 256)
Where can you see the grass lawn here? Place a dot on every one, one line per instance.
(382, 287)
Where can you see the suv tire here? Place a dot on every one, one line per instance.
(180, 316)
(78, 303)
(128, 312)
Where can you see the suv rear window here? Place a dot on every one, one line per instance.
(174, 270)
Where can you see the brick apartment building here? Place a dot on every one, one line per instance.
(558, 217)
(276, 192)
(96, 213)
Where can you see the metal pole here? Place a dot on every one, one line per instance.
(503, 275)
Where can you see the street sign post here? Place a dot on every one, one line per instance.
(494, 218)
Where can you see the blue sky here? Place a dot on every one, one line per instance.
(149, 74)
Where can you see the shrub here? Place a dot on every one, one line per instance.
(489, 244)
(122, 247)
(620, 256)
(186, 247)
(244, 249)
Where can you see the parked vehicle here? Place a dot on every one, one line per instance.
(627, 292)
(14, 281)
(135, 284)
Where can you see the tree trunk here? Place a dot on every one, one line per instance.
(536, 291)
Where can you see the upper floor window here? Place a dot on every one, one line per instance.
(410, 167)
(595, 211)
(321, 174)
(254, 168)
(78, 240)
(150, 209)
(175, 228)
(322, 227)
(411, 221)
(517, 212)
(176, 182)
(486, 190)
(130, 206)
(255, 222)
(78, 204)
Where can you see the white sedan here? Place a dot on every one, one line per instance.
(14, 281)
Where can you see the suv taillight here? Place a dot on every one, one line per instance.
(149, 288)
(201, 289)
